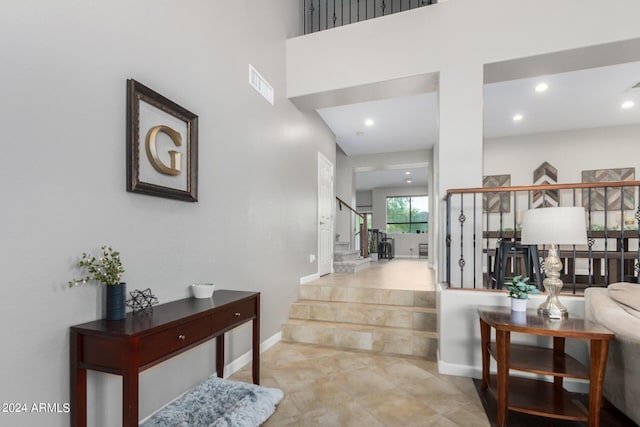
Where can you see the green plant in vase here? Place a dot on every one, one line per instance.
(519, 291)
(105, 269)
(519, 288)
(373, 248)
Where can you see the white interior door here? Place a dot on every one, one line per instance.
(326, 206)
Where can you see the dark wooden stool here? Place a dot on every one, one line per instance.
(508, 249)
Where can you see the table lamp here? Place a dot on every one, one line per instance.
(554, 226)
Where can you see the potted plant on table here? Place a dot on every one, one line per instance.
(373, 245)
(107, 269)
(519, 291)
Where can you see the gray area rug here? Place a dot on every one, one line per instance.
(217, 402)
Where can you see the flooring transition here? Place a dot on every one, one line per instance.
(325, 386)
(336, 387)
(410, 274)
(388, 308)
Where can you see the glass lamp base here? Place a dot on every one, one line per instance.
(553, 312)
(552, 307)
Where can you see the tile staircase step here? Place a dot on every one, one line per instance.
(376, 339)
(397, 316)
(341, 246)
(367, 295)
(346, 255)
(351, 266)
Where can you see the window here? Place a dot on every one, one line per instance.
(408, 214)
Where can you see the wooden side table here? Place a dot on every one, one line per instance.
(534, 396)
(129, 346)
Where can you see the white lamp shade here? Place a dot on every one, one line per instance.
(561, 226)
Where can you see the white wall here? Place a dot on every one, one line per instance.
(364, 200)
(464, 35)
(345, 190)
(459, 325)
(407, 244)
(462, 32)
(64, 69)
(570, 152)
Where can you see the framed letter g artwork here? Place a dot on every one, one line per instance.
(162, 145)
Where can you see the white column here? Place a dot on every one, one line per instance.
(459, 163)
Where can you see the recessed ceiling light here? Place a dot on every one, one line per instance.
(541, 87)
(627, 104)
(517, 117)
(407, 173)
(368, 122)
(408, 180)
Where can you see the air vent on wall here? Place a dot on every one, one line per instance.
(260, 84)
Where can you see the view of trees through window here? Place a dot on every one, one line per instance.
(408, 214)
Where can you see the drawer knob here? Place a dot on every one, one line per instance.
(237, 314)
(181, 337)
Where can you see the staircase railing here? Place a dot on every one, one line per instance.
(362, 235)
(479, 219)
(325, 14)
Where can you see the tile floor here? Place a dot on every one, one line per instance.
(336, 388)
(399, 273)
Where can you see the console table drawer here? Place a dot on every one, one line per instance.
(240, 312)
(171, 340)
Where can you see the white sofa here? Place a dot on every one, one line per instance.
(618, 309)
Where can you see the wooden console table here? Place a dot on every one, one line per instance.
(129, 346)
(534, 396)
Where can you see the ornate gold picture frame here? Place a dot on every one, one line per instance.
(162, 145)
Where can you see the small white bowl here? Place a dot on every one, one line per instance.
(202, 290)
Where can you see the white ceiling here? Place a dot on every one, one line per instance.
(574, 100)
(395, 177)
(400, 124)
(407, 123)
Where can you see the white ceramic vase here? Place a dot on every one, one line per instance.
(518, 304)
(202, 290)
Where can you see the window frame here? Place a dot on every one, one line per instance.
(410, 223)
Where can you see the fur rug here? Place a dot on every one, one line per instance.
(217, 402)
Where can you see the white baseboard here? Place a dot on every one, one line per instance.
(309, 278)
(270, 342)
(238, 363)
(447, 368)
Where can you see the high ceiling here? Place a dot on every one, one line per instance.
(399, 124)
(573, 100)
